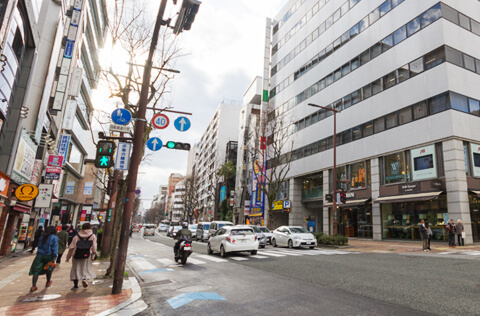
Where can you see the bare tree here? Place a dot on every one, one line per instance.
(190, 197)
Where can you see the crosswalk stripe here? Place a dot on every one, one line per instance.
(211, 258)
(288, 253)
(259, 257)
(269, 253)
(239, 258)
(166, 261)
(196, 261)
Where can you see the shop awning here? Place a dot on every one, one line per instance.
(475, 192)
(21, 208)
(349, 203)
(409, 197)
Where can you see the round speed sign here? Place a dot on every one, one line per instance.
(160, 121)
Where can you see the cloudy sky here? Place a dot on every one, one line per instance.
(225, 47)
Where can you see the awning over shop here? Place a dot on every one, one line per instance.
(409, 197)
(349, 203)
(21, 208)
(475, 192)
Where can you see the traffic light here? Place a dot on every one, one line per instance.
(343, 197)
(186, 16)
(104, 156)
(177, 145)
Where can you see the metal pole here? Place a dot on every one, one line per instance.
(136, 158)
(108, 228)
(334, 200)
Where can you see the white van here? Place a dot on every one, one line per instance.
(149, 230)
(216, 225)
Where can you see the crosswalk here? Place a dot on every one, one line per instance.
(469, 253)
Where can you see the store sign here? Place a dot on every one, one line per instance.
(69, 116)
(87, 190)
(409, 188)
(70, 187)
(475, 149)
(424, 163)
(436, 184)
(350, 195)
(55, 161)
(256, 211)
(63, 145)
(277, 206)
(26, 192)
(52, 173)
(24, 160)
(45, 195)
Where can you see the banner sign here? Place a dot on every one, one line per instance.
(52, 173)
(87, 190)
(122, 158)
(45, 194)
(55, 161)
(63, 144)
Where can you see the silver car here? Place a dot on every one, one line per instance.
(262, 240)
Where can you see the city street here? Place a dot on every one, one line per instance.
(281, 281)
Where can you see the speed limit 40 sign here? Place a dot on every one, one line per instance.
(160, 121)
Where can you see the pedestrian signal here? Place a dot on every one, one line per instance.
(104, 155)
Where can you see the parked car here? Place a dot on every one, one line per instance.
(149, 230)
(233, 239)
(293, 236)
(135, 228)
(171, 226)
(175, 230)
(268, 234)
(202, 231)
(193, 229)
(262, 241)
(216, 225)
(162, 228)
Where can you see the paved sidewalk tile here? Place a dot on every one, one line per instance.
(404, 247)
(58, 299)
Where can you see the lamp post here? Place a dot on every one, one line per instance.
(334, 200)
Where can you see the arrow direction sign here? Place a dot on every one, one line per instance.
(182, 124)
(154, 143)
(121, 117)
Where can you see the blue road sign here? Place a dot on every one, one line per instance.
(182, 124)
(121, 117)
(154, 143)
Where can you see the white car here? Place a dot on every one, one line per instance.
(293, 236)
(193, 228)
(233, 239)
(267, 233)
(175, 230)
(149, 230)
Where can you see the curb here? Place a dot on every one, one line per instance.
(131, 306)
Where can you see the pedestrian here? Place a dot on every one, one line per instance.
(83, 249)
(46, 253)
(451, 233)
(429, 235)
(71, 233)
(36, 237)
(62, 242)
(459, 230)
(423, 234)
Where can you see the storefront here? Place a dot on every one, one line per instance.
(352, 219)
(474, 198)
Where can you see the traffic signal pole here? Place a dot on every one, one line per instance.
(110, 217)
(140, 125)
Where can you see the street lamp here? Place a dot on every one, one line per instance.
(334, 200)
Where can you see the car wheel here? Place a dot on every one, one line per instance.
(274, 243)
(209, 249)
(223, 254)
(290, 244)
(254, 252)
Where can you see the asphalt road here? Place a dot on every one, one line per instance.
(303, 281)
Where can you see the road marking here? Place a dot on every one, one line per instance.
(269, 253)
(155, 270)
(166, 261)
(239, 258)
(140, 264)
(288, 253)
(259, 257)
(185, 298)
(196, 261)
(210, 258)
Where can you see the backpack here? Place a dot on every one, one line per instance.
(82, 250)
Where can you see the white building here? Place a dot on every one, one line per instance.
(177, 202)
(222, 128)
(162, 195)
(404, 76)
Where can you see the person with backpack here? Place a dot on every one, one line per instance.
(47, 253)
(83, 249)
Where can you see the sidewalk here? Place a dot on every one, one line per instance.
(363, 245)
(16, 298)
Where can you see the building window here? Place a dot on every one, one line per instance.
(395, 170)
(356, 133)
(464, 21)
(420, 110)
(405, 116)
(434, 58)
(400, 35)
(438, 104)
(391, 120)
(413, 26)
(469, 62)
(367, 129)
(75, 157)
(458, 102)
(454, 56)
(416, 66)
(431, 15)
(474, 106)
(379, 125)
(358, 172)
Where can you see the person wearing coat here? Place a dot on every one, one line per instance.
(451, 234)
(71, 233)
(62, 242)
(82, 269)
(459, 230)
(423, 235)
(36, 237)
(47, 252)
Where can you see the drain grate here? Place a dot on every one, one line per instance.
(156, 283)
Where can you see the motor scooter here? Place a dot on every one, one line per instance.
(184, 251)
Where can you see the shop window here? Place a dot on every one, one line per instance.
(387, 43)
(358, 175)
(356, 133)
(379, 125)
(405, 116)
(416, 67)
(402, 73)
(420, 110)
(367, 91)
(341, 175)
(438, 104)
(367, 129)
(454, 56)
(464, 21)
(434, 58)
(431, 15)
(400, 35)
(474, 106)
(391, 120)
(469, 62)
(374, 15)
(413, 26)
(459, 102)
(394, 168)
(450, 14)
(475, 27)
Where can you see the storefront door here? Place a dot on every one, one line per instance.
(355, 221)
(475, 216)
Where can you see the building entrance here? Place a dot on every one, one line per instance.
(353, 221)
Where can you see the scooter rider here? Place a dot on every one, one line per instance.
(182, 235)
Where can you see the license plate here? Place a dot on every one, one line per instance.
(242, 241)
(187, 248)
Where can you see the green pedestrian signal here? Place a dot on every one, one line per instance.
(178, 146)
(104, 156)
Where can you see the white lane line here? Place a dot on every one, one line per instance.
(196, 261)
(211, 258)
(259, 257)
(288, 253)
(269, 253)
(239, 258)
(140, 264)
(166, 261)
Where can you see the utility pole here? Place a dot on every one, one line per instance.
(107, 230)
(136, 158)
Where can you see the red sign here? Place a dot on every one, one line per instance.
(160, 121)
(55, 161)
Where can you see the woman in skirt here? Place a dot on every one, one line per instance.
(82, 269)
(47, 252)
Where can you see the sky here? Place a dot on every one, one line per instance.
(225, 49)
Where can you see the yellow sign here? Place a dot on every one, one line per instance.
(277, 206)
(26, 192)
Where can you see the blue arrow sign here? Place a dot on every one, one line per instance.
(154, 143)
(182, 124)
(185, 298)
(121, 117)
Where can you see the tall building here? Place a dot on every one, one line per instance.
(223, 127)
(173, 179)
(403, 76)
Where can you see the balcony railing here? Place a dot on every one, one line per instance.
(313, 193)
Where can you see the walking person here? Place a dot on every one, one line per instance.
(423, 234)
(36, 237)
(451, 233)
(459, 230)
(429, 235)
(71, 233)
(62, 242)
(47, 252)
(83, 249)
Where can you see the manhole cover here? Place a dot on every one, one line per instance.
(42, 298)
(195, 288)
